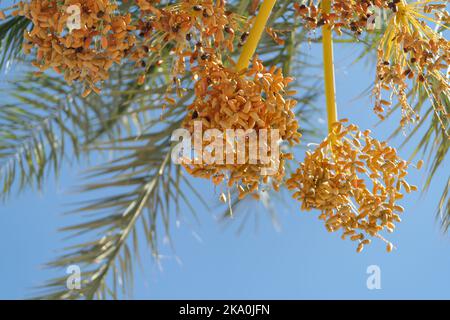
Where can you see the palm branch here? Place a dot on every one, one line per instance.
(46, 122)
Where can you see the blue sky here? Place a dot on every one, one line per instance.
(300, 261)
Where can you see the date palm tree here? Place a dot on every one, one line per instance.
(45, 123)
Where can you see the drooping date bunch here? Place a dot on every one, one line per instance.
(84, 54)
(255, 99)
(193, 31)
(413, 57)
(355, 181)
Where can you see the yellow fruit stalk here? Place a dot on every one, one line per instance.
(328, 67)
(255, 34)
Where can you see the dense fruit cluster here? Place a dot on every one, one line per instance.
(355, 181)
(344, 14)
(193, 30)
(256, 99)
(84, 54)
(411, 52)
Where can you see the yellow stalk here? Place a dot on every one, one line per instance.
(328, 68)
(418, 3)
(255, 35)
(429, 19)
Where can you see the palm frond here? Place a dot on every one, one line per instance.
(46, 115)
(11, 38)
(433, 145)
(444, 207)
(34, 128)
(150, 186)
